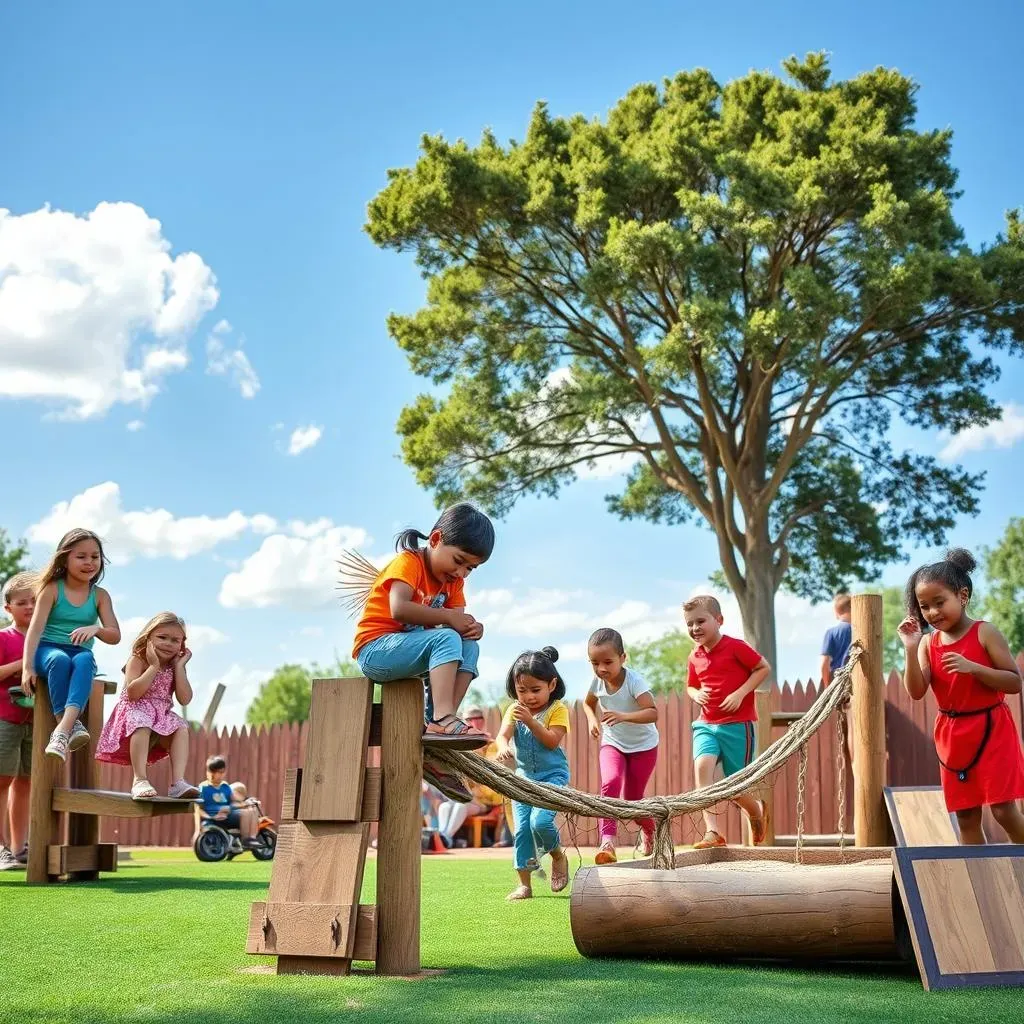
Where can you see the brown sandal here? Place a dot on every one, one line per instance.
(454, 733)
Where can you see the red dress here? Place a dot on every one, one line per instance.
(976, 739)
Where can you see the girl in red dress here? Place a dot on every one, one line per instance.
(969, 667)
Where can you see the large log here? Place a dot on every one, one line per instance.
(739, 903)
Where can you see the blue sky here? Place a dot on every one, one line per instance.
(165, 389)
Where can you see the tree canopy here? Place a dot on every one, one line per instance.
(662, 662)
(733, 288)
(12, 561)
(284, 697)
(1003, 602)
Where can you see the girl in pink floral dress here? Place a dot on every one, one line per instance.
(143, 727)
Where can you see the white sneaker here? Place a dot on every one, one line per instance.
(182, 790)
(8, 862)
(58, 745)
(79, 737)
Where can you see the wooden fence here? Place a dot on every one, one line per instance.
(259, 757)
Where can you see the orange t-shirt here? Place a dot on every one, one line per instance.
(408, 567)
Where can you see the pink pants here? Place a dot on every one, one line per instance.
(625, 776)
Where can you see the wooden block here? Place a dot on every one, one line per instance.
(117, 805)
(67, 859)
(965, 910)
(319, 862)
(337, 732)
(290, 797)
(919, 816)
(364, 945)
(84, 829)
(302, 929)
(43, 819)
(398, 837)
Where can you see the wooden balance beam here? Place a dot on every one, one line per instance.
(75, 851)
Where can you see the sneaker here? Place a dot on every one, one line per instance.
(182, 790)
(79, 737)
(606, 853)
(58, 745)
(22, 855)
(446, 783)
(8, 862)
(710, 841)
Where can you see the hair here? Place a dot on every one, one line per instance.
(705, 601)
(841, 603)
(239, 789)
(20, 582)
(158, 620)
(216, 763)
(463, 526)
(606, 636)
(539, 664)
(954, 572)
(474, 711)
(57, 568)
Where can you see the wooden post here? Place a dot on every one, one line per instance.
(870, 821)
(84, 829)
(763, 704)
(211, 711)
(398, 835)
(43, 822)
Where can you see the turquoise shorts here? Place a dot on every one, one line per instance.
(732, 743)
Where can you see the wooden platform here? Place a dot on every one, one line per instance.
(965, 911)
(108, 803)
(919, 816)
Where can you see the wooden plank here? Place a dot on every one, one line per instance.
(290, 799)
(870, 821)
(364, 946)
(117, 805)
(370, 810)
(398, 841)
(302, 929)
(43, 820)
(318, 862)
(786, 717)
(965, 911)
(339, 726)
(373, 740)
(919, 817)
(81, 860)
(84, 829)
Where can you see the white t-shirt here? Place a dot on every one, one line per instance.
(629, 737)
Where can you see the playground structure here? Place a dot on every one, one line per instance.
(64, 820)
(868, 902)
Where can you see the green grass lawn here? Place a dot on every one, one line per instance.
(164, 940)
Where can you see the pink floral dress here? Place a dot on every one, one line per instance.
(154, 711)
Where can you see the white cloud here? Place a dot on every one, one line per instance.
(298, 571)
(134, 425)
(150, 533)
(93, 309)
(111, 660)
(233, 363)
(303, 438)
(1001, 433)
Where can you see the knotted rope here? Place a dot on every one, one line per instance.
(662, 808)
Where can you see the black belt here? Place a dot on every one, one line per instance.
(961, 773)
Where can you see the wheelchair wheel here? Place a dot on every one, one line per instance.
(211, 845)
(268, 844)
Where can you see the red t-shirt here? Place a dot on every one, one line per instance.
(721, 671)
(12, 644)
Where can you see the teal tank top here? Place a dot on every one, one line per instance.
(66, 617)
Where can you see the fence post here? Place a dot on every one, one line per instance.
(870, 820)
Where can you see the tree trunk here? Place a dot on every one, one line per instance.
(757, 605)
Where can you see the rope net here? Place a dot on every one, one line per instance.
(662, 809)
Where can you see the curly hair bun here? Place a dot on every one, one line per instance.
(550, 652)
(962, 559)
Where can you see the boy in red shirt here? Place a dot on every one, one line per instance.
(722, 675)
(15, 722)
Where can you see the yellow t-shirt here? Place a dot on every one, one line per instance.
(554, 715)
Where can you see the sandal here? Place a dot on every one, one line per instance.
(606, 853)
(450, 785)
(142, 789)
(710, 841)
(451, 731)
(520, 892)
(559, 872)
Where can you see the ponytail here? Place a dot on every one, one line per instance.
(409, 540)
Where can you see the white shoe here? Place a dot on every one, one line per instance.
(182, 790)
(58, 745)
(79, 737)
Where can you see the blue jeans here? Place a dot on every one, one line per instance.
(535, 829)
(414, 653)
(69, 672)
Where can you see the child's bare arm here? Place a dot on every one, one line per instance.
(41, 612)
(109, 631)
(12, 668)
(1004, 676)
(139, 674)
(590, 710)
(760, 673)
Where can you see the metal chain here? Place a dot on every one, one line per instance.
(801, 779)
(841, 776)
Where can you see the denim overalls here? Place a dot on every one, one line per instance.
(535, 831)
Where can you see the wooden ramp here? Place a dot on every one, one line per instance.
(919, 816)
(965, 911)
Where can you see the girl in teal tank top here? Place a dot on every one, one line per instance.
(71, 612)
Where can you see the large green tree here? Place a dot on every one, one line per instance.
(12, 560)
(662, 662)
(284, 697)
(1003, 601)
(735, 287)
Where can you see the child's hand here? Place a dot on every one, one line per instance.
(700, 697)
(611, 717)
(183, 657)
(952, 662)
(909, 631)
(461, 622)
(28, 680)
(731, 702)
(504, 755)
(151, 656)
(222, 813)
(595, 729)
(521, 713)
(83, 635)
(475, 632)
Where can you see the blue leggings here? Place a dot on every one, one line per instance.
(69, 672)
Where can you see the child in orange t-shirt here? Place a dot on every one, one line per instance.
(414, 622)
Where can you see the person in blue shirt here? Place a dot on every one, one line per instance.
(836, 645)
(218, 803)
